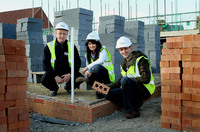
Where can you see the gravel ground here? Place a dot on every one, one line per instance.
(149, 121)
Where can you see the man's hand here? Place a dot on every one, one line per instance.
(59, 80)
(84, 70)
(66, 77)
(88, 74)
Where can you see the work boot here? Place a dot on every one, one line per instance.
(132, 114)
(81, 79)
(53, 93)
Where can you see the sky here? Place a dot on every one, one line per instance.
(109, 7)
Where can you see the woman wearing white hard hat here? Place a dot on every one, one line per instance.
(57, 61)
(99, 65)
(136, 83)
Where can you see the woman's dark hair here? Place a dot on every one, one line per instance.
(98, 44)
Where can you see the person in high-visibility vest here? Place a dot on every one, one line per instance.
(136, 83)
(57, 61)
(99, 65)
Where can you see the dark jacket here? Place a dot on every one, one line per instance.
(143, 67)
(61, 66)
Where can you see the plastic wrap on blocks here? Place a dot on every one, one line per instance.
(99, 87)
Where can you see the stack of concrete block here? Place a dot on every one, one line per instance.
(81, 19)
(14, 110)
(111, 28)
(135, 31)
(47, 38)
(8, 30)
(30, 30)
(152, 46)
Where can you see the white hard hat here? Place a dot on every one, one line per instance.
(93, 36)
(123, 42)
(62, 25)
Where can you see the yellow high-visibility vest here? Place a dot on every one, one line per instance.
(51, 46)
(134, 72)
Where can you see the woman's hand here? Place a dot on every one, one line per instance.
(59, 80)
(84, 70)
(66, 77)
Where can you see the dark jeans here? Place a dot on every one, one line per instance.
(100, 74)
(50, 83)
(130, 96)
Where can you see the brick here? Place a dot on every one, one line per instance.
(3, 81)
(170, 39)
(164, 63)
(170, 57)
(2, 73)
(196, 97)
(13, 118)
(170, 51)
(186, 109)
(196, 51)
(188, 70)
(176, 102)
(196, 37)
(11, 65)
(175, 64)
(101, 88)
(188, 38)
(15, 95)
(2, 106)
(22, 66)
(168, 45)
(196, 70)
(2, 51)
(188, 44)
(175, 76)
(16, 58)
(187, 77)
(17, 73)
(166, 113)
(23, 129)
(2, 97)
(195, 110)
(170, 70)
(10, 50)
(2, 66)
(2, 89)
(196, 84)
(175, 89)
(2, 113)
(17, 110)
(21, 51)
(165, 125)
(16, 88)
(187, 83)
(178, 39)
(187, 58)
(17, 125)
(185, 96)
(3, 120)
(23, 116)
(171, 82)
(166, 100)
(195, 58)
(13, 81)
(165, 76)
(165, 88)
(12, 42)
(165, 119)
(196, 123)
(196, 77)
(22, 102)
(191, 64)
(2, 58)
(187, 51)
(186, 122)
(177, 45)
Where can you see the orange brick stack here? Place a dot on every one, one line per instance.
(14, 110)
(180, 83)
(101, 88)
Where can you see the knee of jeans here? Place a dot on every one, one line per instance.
(124, 80)
(97, 67)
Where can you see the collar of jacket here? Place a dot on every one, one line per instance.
(57, 43)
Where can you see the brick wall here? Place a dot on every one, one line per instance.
(180, 83)
(14, 110)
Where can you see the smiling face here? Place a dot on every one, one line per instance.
(126, 52)
(61, 35)
(92, 46)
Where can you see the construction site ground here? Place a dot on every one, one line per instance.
(149, 121)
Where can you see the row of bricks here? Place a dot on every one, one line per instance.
(13, 66)
(185, 38)
(13, 88)
(11, 42)
(183, 51)
(13, 103)
(21, 126)
(13, 81)
(180, 45)
(13, 96)
(11, 50)
(177, 76)
(179, 63)
(181, 83)
(184, 58)
(13, 73)
(180, 89)
(13, 58)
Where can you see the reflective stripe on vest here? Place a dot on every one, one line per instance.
(108, 65)
(134, 72)
(51, 46)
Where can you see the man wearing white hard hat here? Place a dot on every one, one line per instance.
(57, 61)
(136, 83)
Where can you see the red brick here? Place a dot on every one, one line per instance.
(196, 51)
(164, 63)
(187, 108)
(188, 44)
(166, 113)
(2, 89)
(175, 76)
(170, 39)
(175, 89)
(195, 58)
(195, 110)
(196, 123)
(22, 102)
(3, 120)
(196, 97)
(2, 73)
(165, 125)
(196, 70)
(13, 81)
(187, 83)
(2, 106)
(196, 37)
(170, 70)
(10, 50)
(170, 51)
(15, 95)
(185, 96)
(187, 51)
(17, 125)
(175, 63)
(2, 58)
(188, 38)
(170, 57)
(177, 45)
(2, 52)
(191, 64)
(22, 66)
(78, 113)
(171, 82)
(71, 106)
(11, 65)
(188, 70)
(2, 97)
(196, 84)
(168, 45)
(187, 77)
(2, 66)
(178, 39)
(165, 119)
(16, 88)
(13, 42)
(21, 51)
(23, 116)
(17, 73)
(186, 122)
(176, 102)
(2, 113)
(166, 100)
(17, 110)
(165, 76)
(16, 58)
(13, 118)
(165, 88)
(187, 58)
